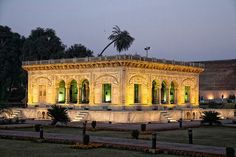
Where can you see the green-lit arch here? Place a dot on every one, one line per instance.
(73, 91)
(84, 96)
(163, 92)
(61, 92)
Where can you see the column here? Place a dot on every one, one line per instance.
(167, 95)
(78, 93)
(67, 98)
(176, 96)
(159, 95)
(123, 87)
(56, 94)
(91, 90)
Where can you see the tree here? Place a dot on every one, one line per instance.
(58, 114)
(10, 59)
(78, 50)
(43, 44)
(121, 39)
(210, 117)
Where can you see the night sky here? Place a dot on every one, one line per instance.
(174, 29)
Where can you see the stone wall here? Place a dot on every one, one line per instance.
(218, 78)
(129, 116)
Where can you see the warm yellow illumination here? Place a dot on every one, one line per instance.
(83, 82)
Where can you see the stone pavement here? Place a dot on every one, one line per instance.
(125, 126)
(117, 141)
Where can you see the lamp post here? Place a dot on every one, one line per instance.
(146, 49)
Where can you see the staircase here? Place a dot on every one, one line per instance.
(165, 117)
(16, 114)
(81, 115)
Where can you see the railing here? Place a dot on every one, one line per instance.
(112, 58)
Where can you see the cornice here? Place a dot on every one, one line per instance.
(114, 63)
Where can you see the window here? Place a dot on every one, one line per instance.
(137, 93)
(107, 93)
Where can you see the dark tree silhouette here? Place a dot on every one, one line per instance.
(43, 44)
(121, 39)
(10, 59)
(78, 50)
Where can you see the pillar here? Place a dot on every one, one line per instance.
(56, 91)
(167, 95)
(67, 98)
(78, 93)
(159, 95)
(91, 90)
(123, 87)
(176, 96)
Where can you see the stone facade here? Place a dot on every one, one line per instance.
(128, 116)
(218, 78)
(116, 82)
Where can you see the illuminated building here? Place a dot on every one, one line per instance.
(115, 82)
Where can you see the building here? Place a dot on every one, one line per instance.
(218, 80)
(116, 82)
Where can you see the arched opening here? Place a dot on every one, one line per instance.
(106, 93)
(73, 91)
(194, 115)
(137, 93)
(61, 92)
(84, 92)
(187, 94)
(163, 93)
(188, 116)
(172, 93)
(154, 92)
(43, 115)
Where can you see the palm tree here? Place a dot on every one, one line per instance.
(121, 39)
(58, 114)
(210, 117)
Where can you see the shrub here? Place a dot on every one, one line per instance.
(93, 124)
(143, 127)
(86, 139)
(135, 134)
(229, 152)
(58, 114)
(210, 117)
(37, 127)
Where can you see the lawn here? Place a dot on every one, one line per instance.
(15, 148)
(214, 136)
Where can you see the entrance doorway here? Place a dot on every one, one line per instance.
(42, 93)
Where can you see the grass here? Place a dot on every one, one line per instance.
(15, 148)
(213, 136)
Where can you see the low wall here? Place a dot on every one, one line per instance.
(129, 116)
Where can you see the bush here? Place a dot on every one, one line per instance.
(86, 139)
(93, 124)
(143, 127)
(135, 134)
(229, 152)
(58, 114)
(37, 127)
(211, 117)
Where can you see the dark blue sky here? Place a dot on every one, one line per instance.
(174, 29)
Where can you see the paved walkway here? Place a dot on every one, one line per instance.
(125, 126)
(118, 141)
